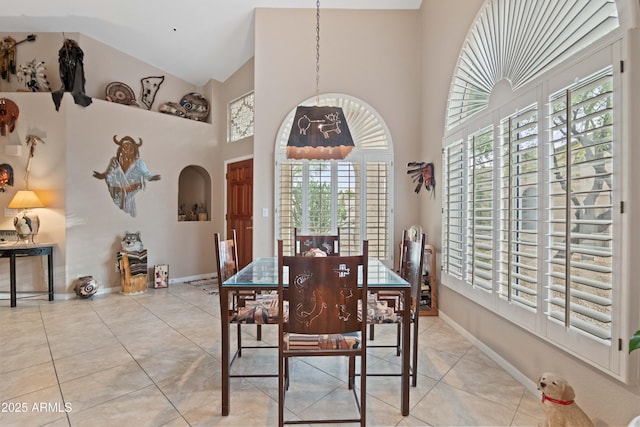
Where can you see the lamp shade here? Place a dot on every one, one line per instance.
(25, 199)
(319, 133)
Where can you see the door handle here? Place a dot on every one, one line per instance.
(249, 227)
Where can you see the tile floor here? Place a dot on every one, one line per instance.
(153, 360)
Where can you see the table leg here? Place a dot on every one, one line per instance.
(224, 319)
(12, 278)
(50, 272)
(406, 350)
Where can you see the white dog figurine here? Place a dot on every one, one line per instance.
(558, 403)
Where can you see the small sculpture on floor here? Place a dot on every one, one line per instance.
(558, 403)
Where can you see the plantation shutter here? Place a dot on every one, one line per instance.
(290, 204)
(480, 222)
(581, 149)
(318, 197)
(518, 245)
(453, 200)
(377, 209)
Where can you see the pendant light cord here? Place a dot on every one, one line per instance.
(317, 52)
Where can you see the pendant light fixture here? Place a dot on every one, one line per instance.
(319, 132)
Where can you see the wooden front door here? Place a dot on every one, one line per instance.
(240, 207)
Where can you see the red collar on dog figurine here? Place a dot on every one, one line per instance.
(559, 402)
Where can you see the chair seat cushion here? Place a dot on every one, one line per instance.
(262, 310)
(384, 310)
(321, 342)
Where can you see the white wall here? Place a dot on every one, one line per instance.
(80, 217)
(370, 55)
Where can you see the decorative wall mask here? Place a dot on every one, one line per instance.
(150, 86)
(423, 173)
(71, 60)
(6, 176)
(120, 93)
(126, 174)
(32, 73)
(8, 55)
(9, 113)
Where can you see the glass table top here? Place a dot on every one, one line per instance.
(263, 272)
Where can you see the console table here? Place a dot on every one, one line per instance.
(20, 250)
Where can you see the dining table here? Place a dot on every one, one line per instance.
(261, 275)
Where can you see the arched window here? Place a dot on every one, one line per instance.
(531, 160)
(353, 195)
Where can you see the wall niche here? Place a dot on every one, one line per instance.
(194, 194)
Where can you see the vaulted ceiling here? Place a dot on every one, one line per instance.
(196, 40)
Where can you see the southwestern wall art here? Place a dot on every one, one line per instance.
(126, 174)
(424, 174)
(71, 60)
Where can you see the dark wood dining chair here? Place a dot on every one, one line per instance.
(327, 243)
(322, 299)
(244, 306)
(385, 306)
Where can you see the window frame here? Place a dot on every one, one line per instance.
(607, 358)
(230, 121)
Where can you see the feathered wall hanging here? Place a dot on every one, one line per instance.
(424, 174)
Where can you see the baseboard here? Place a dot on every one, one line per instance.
(191, 278)
(529, 384)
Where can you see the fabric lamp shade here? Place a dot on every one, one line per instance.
(319, 133)
(25, 199)
(27, 223)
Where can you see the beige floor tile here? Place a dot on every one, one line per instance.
(154, 359)
(449, 406)
(34, 409)
(487, 382)
(97, 388)
(177, 362)
(144, 407)
(15, 356)
(26, 380)
(92, 361)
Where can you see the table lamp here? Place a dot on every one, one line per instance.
(26, 222)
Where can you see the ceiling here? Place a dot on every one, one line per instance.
(195, 40)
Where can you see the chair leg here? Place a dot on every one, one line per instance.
(371, 333)
(398, 334)
(281, 387)
(286, 373)
(239, 341)
(259, 332)
(352, 372)
(414, 351)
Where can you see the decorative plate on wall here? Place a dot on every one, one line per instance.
(120, 93)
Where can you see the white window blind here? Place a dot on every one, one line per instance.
(581, 149)
(480, 221)
(518, 238)
(318, 197)
(453, 199)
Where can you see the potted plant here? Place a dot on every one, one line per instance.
(634, 342)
